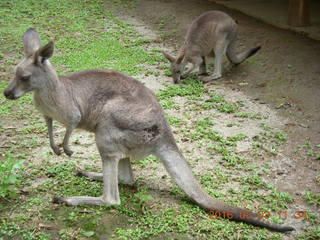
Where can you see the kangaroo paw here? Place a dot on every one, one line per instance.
(80, 173)
(203, 74)
(68, 151)
(184, 76)
(74, 201)
(56, 150)
(210, 78)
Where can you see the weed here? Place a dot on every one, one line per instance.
(313, 198)
(9, 175)
(249, 115)
(311, 233)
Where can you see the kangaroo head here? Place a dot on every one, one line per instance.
(32, 72)
(176, 66)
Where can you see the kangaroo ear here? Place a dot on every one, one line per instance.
(168, 56)
(44, 53)
(31, 42)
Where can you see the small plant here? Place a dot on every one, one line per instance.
(310, 234)
(249, 115)
(142, 199)
(312, 151)
(9, 175)
(313, 198)
(175, 121)
(237, 137)
(144, 162)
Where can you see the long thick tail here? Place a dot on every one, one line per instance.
(179, 170)
(237, 59)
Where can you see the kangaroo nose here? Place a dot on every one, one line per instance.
(8, 94)
(5, 93)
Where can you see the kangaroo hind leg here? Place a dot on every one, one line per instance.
(203, 67)
(219, 51)
(125, 174)
(110, 194)
(110, 160)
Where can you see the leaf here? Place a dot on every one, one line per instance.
(88, 234)
(144, 197)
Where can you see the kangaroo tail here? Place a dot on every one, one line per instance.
(237, 59)
(179, 170)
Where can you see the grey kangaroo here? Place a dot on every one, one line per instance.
(212, 33)
(126, 118)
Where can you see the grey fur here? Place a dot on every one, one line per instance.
(212, 33)
(126, 118)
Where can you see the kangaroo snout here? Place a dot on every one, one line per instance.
(9, 94)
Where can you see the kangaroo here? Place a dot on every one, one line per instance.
(126, 118)
(213, 32)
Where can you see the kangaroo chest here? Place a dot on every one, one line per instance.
(50, 108)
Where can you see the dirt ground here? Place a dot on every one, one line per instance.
(282, 80)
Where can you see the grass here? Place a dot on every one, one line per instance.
(88, 36)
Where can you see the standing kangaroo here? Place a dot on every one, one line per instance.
(125, 116)
(213, 32)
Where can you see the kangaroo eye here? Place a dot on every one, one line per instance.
(25, 78)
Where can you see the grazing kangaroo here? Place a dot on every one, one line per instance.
(126, 118)
(213, 32)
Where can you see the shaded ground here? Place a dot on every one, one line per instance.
(275, 12)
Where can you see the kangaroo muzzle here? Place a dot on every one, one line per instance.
(9, 94)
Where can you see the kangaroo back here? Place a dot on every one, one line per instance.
(206, 29)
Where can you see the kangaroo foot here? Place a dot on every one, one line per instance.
(74, 201)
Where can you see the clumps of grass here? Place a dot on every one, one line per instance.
(311, 233)
(229, 156)
(145, 162)
(313, 218)
(167, 220)
(64, 182)
(255, 180)
(9, 175)
(10, 230)
(312, 198)
(186, 88)
(175, 121)
(218, 102)
(237, 137)
(168, 103)
(277, 136)
(312, 151)
(269, 140)
(203, 130)
(278, 200)
(205, 123)
(249, 115)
